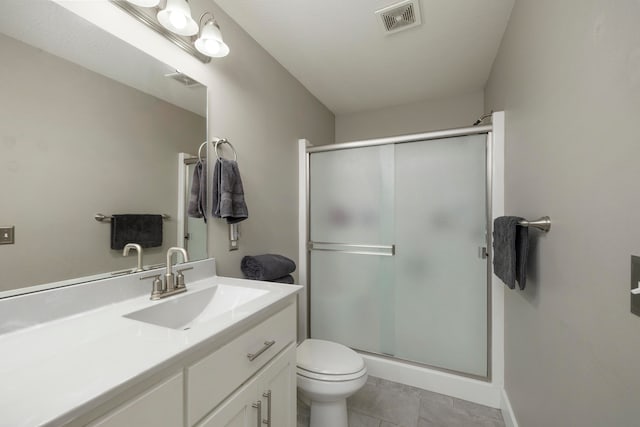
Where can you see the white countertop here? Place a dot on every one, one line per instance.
(54, 371)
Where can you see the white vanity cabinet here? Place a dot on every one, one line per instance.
(213, 378)
(268, 400)
(252, 375)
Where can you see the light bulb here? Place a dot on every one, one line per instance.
(210, 41)
(178, 20)
(176, 17)
(212, 46)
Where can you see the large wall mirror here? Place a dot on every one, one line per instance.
(88, 124)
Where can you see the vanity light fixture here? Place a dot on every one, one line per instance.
(209, 41)
(145, 3)
(172, 19)
(176, 17)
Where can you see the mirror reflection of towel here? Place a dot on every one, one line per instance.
(145, 230)
(228, 192)
(198, 196)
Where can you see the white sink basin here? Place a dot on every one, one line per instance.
(188, 310)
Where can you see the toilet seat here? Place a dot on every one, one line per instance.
(332, 378)
(328, 361)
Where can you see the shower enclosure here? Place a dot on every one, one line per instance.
(398, 250)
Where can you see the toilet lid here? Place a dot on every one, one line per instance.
(328, 358)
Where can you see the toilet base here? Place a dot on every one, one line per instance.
(325, 414)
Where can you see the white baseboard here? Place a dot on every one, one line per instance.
(481, 392)
(507, 411)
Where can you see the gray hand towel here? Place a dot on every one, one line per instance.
(266, 267)
(510, 250)
(198, 196)
(228, 192)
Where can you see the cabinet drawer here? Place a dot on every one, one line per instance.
(161, 406)
(215, 377)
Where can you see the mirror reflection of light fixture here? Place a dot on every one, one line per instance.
(174, 22)
(176, 17)
(209, 41)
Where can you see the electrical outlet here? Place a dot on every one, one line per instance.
(7, 235)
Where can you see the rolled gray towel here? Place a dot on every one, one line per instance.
(266, 267)
(288, 280)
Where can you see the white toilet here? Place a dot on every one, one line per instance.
(327, 374)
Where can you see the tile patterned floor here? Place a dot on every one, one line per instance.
(382, 403)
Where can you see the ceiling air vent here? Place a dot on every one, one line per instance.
(399, 16)
(184, 79)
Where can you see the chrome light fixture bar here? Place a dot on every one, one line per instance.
(174, 22)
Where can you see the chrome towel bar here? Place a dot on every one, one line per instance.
(105, 218)
(543, 223)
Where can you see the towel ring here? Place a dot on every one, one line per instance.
(200, 151)
(224, 141)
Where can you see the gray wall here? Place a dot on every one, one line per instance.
(263, 110)
(568, 76)
(457, 111)
(74, 143)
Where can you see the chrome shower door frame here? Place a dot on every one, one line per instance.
(360, 249)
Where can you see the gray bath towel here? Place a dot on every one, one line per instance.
(266, 267)
(228, 193)
(510, 250)
(198, 196)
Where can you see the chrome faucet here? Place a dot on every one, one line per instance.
(169, 278)
(138, 248)
(173, 284)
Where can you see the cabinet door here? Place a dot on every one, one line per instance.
(237, 411)
(277, 388)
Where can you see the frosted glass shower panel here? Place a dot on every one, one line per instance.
(441, 280)
(352, 196)
(351, 219)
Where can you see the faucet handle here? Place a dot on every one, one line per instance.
(158, 289)
(180, 277)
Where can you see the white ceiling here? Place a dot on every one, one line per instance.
(338, 51)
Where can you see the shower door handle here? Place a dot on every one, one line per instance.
(483, 253)
(353, 248)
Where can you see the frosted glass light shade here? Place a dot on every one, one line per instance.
(176, 17)
(210, 42)
(145, 3)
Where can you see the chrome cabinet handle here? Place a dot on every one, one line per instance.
(258, 406)
(268, 420)
(254, 356)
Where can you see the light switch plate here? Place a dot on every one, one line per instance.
(635, 278)
(7, 235)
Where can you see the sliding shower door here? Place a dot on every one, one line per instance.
(397, 265)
